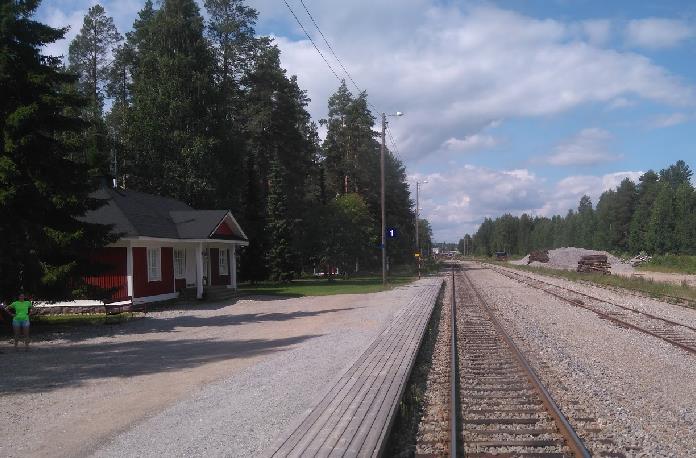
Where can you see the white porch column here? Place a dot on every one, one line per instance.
(233, 267)
(129, 268)
(199, 271)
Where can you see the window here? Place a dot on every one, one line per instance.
(154, 264)
(179, 263)
(222, 262)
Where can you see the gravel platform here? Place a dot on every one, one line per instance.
(241, 414)
(623, 391)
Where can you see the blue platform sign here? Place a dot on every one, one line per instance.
(392, 233)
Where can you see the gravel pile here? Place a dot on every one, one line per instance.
(567, 259)
(624, 392)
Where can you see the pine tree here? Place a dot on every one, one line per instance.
(89, 57)
(42, 193)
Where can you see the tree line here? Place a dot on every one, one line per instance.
(196, 109)
(656, 215)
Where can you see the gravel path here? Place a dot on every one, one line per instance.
(623, 391)
(218, 380)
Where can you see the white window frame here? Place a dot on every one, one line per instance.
(223, 268)
(179, 263)
(154, 264)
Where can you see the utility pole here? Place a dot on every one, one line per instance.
(384, 225)
(418, 248)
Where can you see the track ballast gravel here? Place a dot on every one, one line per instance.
(623, 391)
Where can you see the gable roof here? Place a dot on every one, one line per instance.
(138, 214)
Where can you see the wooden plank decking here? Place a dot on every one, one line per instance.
(355, 416)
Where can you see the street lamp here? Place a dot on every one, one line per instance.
(418, 249)
(381, 166)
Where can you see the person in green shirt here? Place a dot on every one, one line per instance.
(20, 322)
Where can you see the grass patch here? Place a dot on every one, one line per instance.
(652, 288)
(324, 287)
(681, 264)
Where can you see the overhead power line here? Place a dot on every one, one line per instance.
(343, 67)
(328, 45)
(312, 41)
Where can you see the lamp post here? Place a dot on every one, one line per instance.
(418, 249)
(384, 224)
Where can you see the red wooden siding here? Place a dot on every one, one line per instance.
(142, 287)
(224, 229)
(116, 274)
(215, 277)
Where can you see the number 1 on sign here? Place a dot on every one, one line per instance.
(391, 233)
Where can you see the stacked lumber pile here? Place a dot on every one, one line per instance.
(594, 263)
(539, 256)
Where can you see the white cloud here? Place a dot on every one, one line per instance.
(475, 142)
(588, 147)
(621, 102)
(597, 31)
(567, 192)
(669, 120)
(656, 33)
(57, 18)
(456, 202)
(453, 71)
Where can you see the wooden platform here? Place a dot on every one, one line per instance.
(355, 416)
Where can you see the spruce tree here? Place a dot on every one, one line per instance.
(660, 230)
(43, 245)
(647, 189)
(280, 227)
(168, 131)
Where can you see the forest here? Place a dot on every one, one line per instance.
(191, 107)
(657, 215)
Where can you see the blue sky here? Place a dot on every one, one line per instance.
(511, 105)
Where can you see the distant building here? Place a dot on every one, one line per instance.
(436, 250)
(164, 246)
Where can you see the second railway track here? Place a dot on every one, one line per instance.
(678, 334)
(502, 408)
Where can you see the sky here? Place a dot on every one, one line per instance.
(510, 106)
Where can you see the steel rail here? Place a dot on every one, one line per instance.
(575, 444)
(594, 298)
(606, 316)
(453, 374)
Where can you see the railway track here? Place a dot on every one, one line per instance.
(498, 405)
(677, 334)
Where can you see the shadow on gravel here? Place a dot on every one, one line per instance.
(154, 324)
(46, 369)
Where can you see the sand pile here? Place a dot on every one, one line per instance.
(567, 259)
